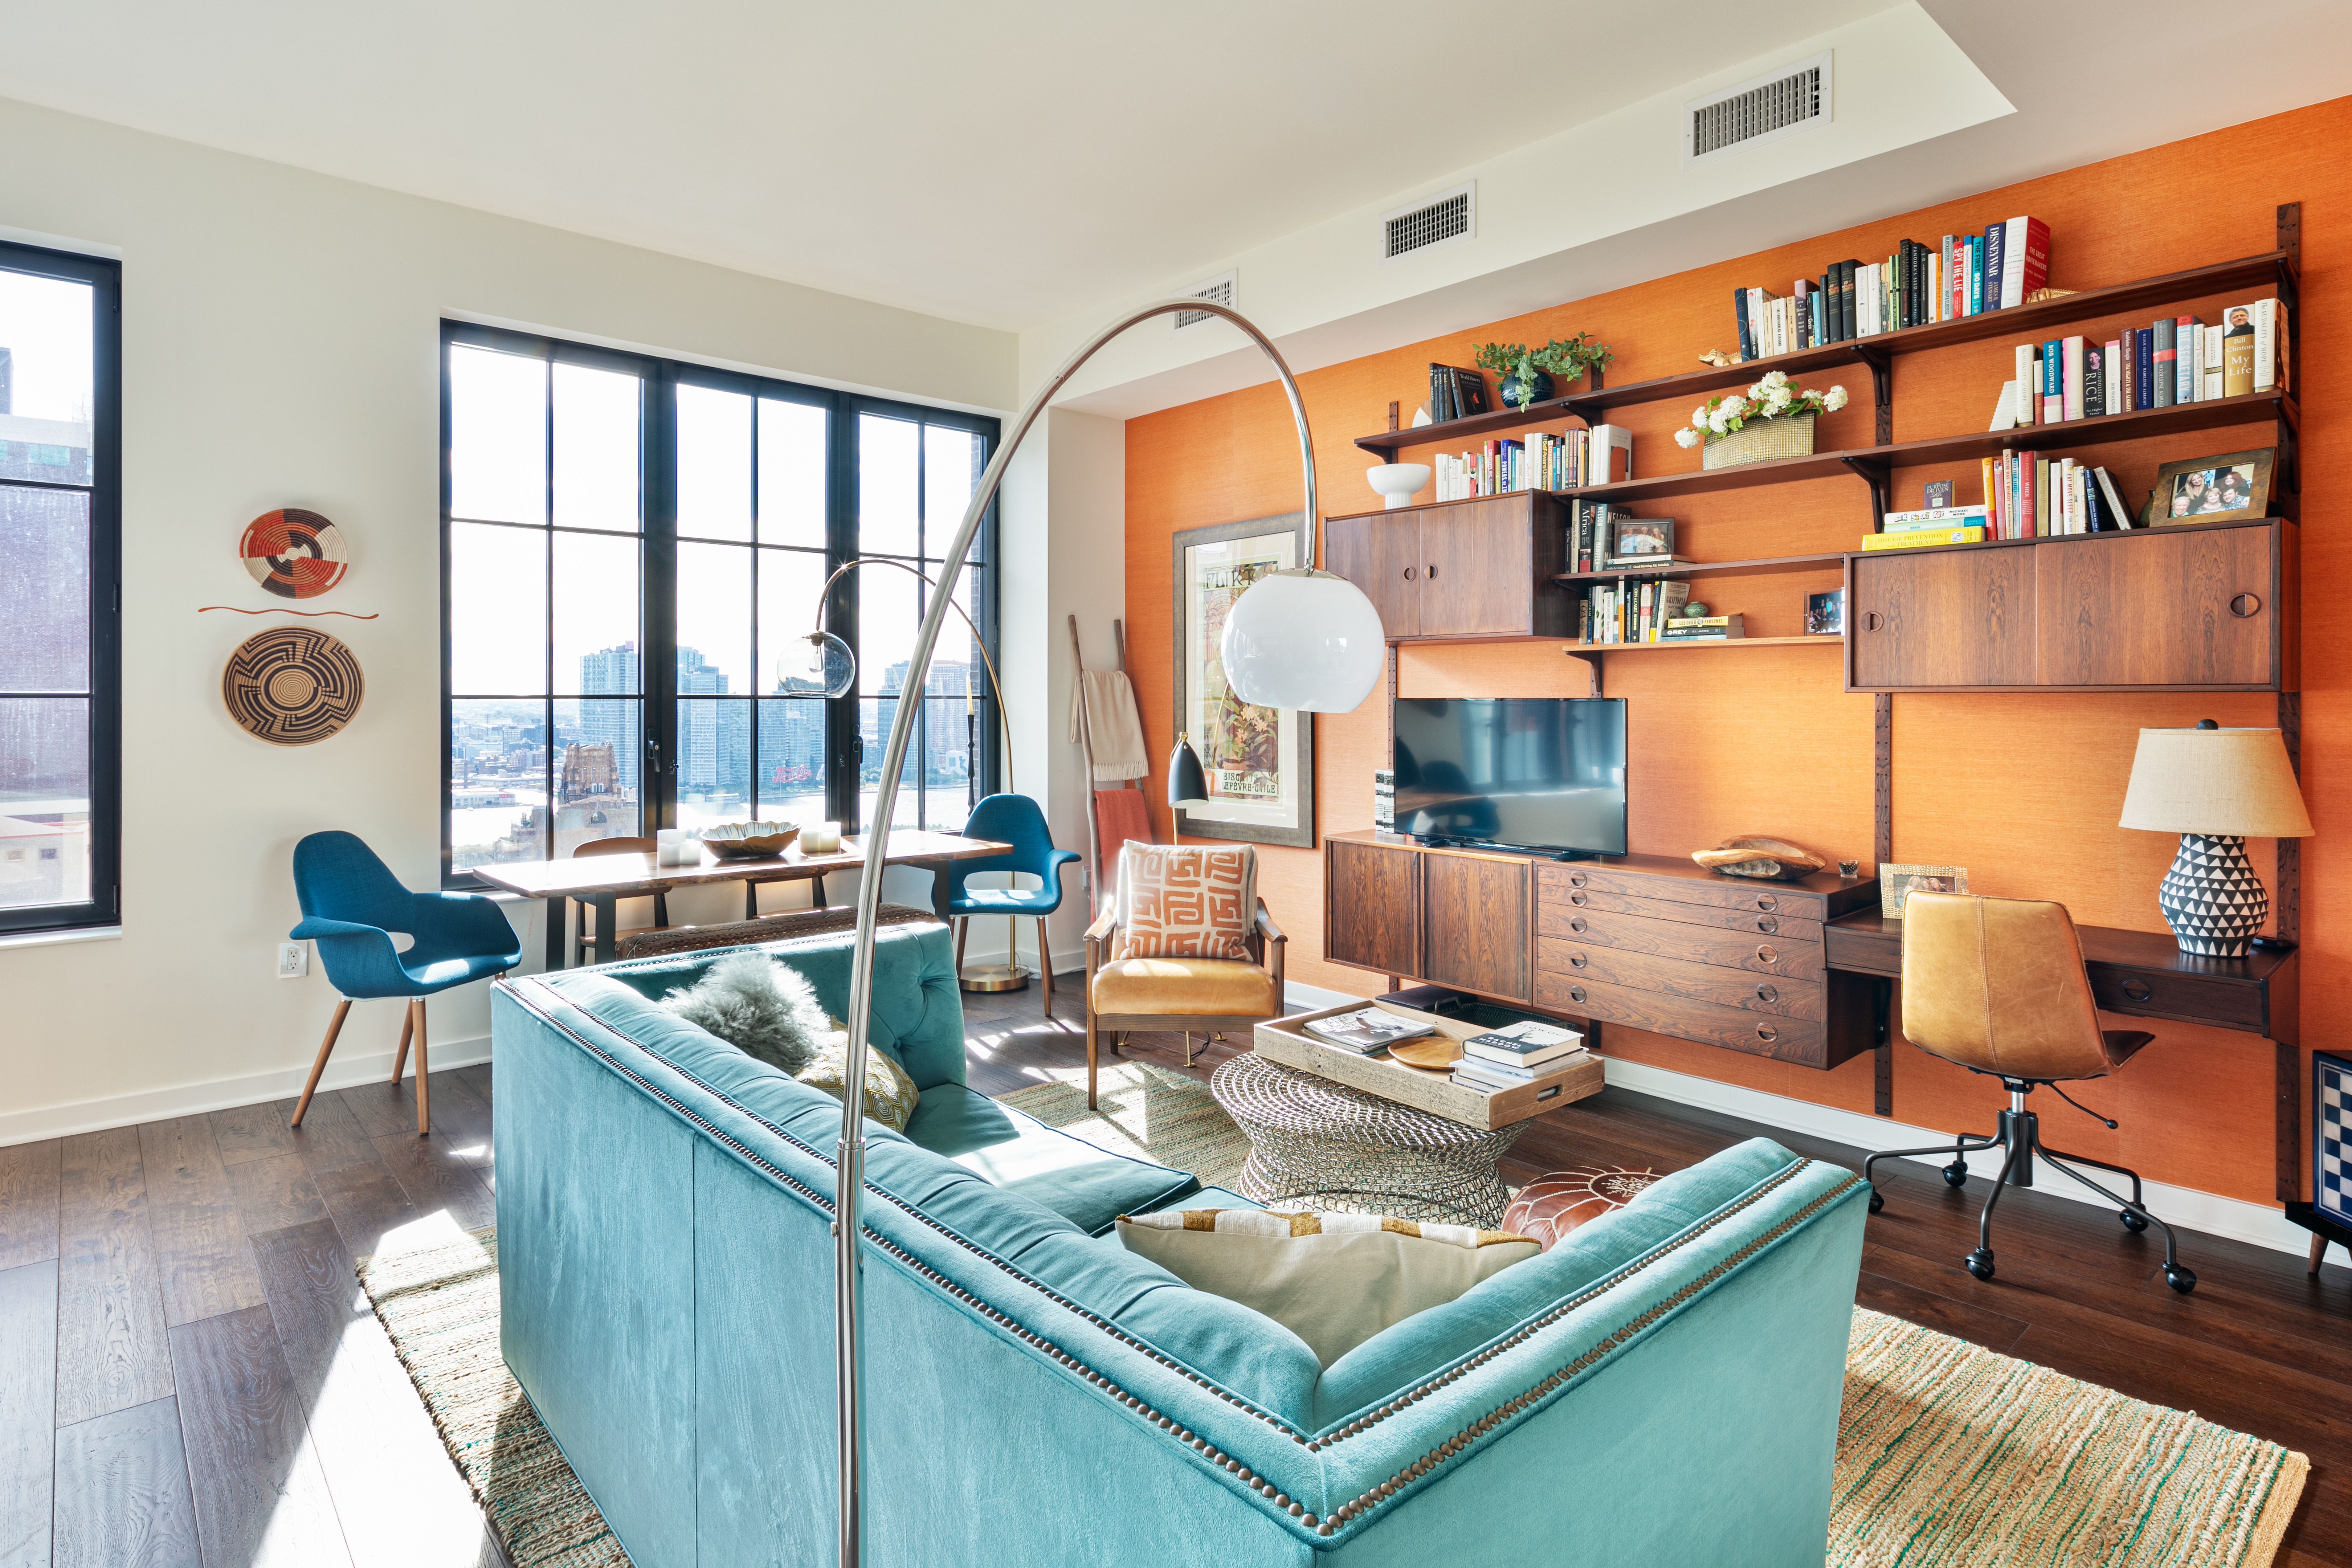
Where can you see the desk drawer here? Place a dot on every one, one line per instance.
(1784, 999)
(2151, 993)
(1800, 1040)
(1756, 953)
(1791, 929)
(1761, 897)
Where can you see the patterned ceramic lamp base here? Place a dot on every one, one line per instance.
(2212, 898)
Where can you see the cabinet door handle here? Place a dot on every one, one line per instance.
(1767, 902)
(1767, 1032)
(1767, 993)
(1869, 621)
(1768, 955)
(1576, 961)
(1576, 924)
(1768, 924)
(1409, 573)
(1576, 993)
(1577, 898)
(2246, 605)
(2138, 990)
(1433, 571)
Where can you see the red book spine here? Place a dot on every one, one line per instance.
(2028, 503)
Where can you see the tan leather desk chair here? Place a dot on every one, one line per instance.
(1203, 996)
(1998, 985)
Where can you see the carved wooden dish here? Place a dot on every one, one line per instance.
(1434, 1053)
(1774, 859)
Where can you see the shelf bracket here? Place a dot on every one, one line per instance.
(1877, 474)
(1882, 389)
(1593, 661)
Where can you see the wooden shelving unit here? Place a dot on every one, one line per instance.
(1590, 647)
(1701, 568)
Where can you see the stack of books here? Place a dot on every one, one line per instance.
(1630, 612)
(1704, 629)
(1514, 1058)
(2036, 496)
(1538, 462)
(2174, 360)
(1966, 274)
(1368, 1030)
(1455, 393)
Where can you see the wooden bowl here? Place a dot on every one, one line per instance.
(750, 840)
(1431, 1052)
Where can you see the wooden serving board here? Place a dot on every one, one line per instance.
(1284, 1040)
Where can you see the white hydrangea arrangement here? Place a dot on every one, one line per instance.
(1770, 398)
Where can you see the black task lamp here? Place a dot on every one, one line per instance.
(1187, 785)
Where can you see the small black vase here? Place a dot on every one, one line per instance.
(1519, 392)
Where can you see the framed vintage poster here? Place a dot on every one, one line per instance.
(1259, 762)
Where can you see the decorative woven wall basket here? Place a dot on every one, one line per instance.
(1760, 440)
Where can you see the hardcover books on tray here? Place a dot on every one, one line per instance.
(1366, 1030)
(1513, 1058)
(1963, 275)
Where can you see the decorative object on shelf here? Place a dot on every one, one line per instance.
(293, 553)
(1384, 799)
(292, 686)
(1716, 358)
(1936, 494)
(1421, 416)
(1610, 449)
(1825, 614)
(2216, 788)
(1640, 541)
(2039, 295)
(1772, 859)
(2231, 488)
(750, 840)
(1257, 763)
(2331, 1139)
(1849, 871)
(1897, 883)
(1698, 610)
(1398, 483)
(1770, 419)
(1527, 373)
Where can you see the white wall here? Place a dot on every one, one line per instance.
(281, 348)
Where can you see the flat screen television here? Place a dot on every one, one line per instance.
(1545, 774)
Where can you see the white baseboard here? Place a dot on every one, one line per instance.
(345, 1069)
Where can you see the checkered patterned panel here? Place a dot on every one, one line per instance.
(1183, 901)
(2331, 1131)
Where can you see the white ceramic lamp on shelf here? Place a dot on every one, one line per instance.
(1398, 482)
(2216, 788)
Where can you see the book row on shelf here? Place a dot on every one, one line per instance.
(1966, 274)
(1630, 611)
(2175, 360)
(1536, 462)
(2028, 495)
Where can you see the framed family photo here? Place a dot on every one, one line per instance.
(1259, 762)
(1640, 541)
(2231, 488)
(1897, 883)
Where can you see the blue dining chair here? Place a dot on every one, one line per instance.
(1014, 819)
(352, 903)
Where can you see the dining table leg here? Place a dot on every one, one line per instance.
(607, 907)
(555, 933)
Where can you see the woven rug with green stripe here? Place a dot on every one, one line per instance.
(1948, 1456)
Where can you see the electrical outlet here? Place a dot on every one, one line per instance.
(293, 960)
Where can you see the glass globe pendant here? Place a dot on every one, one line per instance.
(1303, 639)
(819, 662)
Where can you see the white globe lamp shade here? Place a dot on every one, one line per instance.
(1304, 639)
(1399, 482)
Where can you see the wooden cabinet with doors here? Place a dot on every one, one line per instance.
(1476, 920)
(1459, 570)
(1371, 906)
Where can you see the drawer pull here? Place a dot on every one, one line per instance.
(1576, 961)
(1768, 924)
(1576, 993)
(1869, 621)
(1576, 899)
(1576, 924)
(1575, 879)
(2136, 990)
(1767, 902)
(1767, 993)
(2246, 605)
(1767, 1032)
(1768, 955)
(1433, 570)
(1411, 572)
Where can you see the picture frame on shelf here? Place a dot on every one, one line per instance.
(1259, 762)
(1825, 614)
(1640, 541)
(1897, 883)
(2233, 487)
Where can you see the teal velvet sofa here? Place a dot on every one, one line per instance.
(1661, 1388)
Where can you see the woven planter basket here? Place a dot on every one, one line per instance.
(1758, 440)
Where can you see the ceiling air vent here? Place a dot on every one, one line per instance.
(1768, 107)
(1441, 219)
(1220, 289)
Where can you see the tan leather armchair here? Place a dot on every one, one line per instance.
(1192, 996)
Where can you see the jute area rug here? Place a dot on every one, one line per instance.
(1947, 1455)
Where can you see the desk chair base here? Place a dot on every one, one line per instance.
(412, 1027)
(2020, 1133)
(993, 977)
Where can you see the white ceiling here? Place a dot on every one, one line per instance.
(999, 165)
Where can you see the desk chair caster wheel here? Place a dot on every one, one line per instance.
(2133, 1223)
(1956, 1174)
(1979, 1263)
(2180, 1279)
(1877, 1200)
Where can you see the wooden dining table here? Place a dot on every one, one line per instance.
(600, 881)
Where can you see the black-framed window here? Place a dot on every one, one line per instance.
(60, 606)
(629, 546)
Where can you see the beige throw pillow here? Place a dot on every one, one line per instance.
(1333, 1279)
(890, 1094)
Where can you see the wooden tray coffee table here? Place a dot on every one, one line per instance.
(1284, 1040)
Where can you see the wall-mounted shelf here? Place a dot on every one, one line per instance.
(1580, 648)
(1700, 568)
(2275, 269)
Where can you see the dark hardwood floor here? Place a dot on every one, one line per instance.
(190, 1375)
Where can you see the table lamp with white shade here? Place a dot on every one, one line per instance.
(2216, 788)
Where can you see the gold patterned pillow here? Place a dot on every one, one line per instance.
(1186, 901)
(890, 1094)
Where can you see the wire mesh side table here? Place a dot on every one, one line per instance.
(1343, 1148)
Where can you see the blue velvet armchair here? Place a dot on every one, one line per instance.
(352, 905)
(1012, 819)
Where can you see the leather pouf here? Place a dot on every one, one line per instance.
(1551, 1205)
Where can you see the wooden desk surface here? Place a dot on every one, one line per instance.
(628, 876)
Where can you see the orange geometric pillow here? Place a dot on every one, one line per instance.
(1184, 901)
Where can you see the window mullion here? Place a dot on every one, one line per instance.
(657, 669)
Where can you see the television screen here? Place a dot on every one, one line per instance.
(1527, 773)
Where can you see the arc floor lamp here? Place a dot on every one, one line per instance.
(1299, 638)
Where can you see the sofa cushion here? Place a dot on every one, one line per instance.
(1207, 987)
(1090, 1187)
(890, 1094)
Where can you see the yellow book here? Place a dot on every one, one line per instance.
(1973, 535)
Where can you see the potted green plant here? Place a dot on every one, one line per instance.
(1527, 373)
(1769, 419)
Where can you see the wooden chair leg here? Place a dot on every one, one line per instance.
(408, 1031)
(326, 1050)
(1045, 965)
(963, 929)
(423, 1084)
(1090, 1058)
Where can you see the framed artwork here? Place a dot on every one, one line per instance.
(2331, 1136)
(2231, 488)
(1259, 762)
(1897, 883)
(1640, 541)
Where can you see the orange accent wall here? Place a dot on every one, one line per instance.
(2024, 790)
